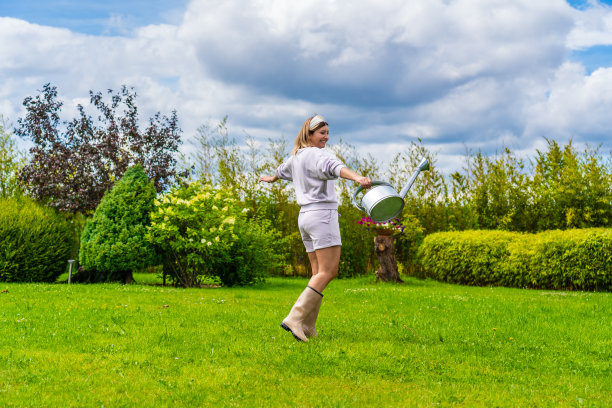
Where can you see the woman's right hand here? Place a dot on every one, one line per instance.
(364, 182)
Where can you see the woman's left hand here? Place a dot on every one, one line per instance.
(268, 179)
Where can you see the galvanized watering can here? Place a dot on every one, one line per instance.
(381, 202)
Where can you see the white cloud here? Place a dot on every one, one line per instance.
(593, 27)
(486, 73)
(578, 106)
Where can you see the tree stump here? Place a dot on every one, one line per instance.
(385, 250)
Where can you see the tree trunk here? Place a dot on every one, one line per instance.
(128, 277)
(385, 250)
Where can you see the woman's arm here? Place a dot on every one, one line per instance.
(268, 179)
(349, 174)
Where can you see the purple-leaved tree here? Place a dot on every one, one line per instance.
(73, 163)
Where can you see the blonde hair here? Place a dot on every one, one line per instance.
(301, 140)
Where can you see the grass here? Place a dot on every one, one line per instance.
(419, 344)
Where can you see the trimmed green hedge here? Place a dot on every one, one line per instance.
(579, 259)
(35, 242)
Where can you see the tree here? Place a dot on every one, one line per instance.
(11, 160)
(113, 242)
(499, 191)
(72, 167)
(426, 198)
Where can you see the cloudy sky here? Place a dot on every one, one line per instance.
(459, 74)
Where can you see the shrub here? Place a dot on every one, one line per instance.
(357, 244)
(35, 241)
(467, 257)
(571, 259)
(113, 241)
(407, 243)
(204, 232)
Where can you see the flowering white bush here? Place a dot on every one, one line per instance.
(204, 232)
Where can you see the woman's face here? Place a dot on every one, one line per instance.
(319, 137)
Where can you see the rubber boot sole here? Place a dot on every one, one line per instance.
(284, 326)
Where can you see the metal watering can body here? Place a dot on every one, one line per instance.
(382, 203)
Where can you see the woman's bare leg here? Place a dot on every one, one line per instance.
(327, 260)
(314, 264)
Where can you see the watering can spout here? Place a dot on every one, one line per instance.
(423, 166)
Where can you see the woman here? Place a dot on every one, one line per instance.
(313, 171)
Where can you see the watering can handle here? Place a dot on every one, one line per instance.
(374, 183)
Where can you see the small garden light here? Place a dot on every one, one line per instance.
(70, 262)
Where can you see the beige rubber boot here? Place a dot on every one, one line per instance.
(300, 310)
(311, 320)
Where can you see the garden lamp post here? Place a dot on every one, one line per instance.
(70, 261)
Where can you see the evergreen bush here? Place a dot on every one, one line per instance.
(113, 241)
(35, 241)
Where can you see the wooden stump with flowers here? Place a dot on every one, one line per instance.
(385, 249)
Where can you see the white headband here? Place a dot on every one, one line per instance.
(315, 121)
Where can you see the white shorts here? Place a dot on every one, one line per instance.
(319, 229)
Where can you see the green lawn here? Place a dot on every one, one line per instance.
(422, 343)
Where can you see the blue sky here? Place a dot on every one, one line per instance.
(467, 74)
(596, 56)
(108, 17)
(583, 4)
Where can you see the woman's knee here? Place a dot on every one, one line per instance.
(331, 274)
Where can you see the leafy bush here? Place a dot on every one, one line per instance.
(408, 242)
(204, 232)
(468, 257)
(113, 241)
(35, 242)
(571, 259)
(357, 244)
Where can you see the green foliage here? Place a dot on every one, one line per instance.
(561, 188)
(113, 241)
(571, 259)
(425, 200)
(35, 241)
(499, 192)
(407, 243)
(11, 161)
(204, 232)
(468, 257)
(72, 164)
(571, 190)
(357, 254)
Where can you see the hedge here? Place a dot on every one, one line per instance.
(35, 241)
(578, 259)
